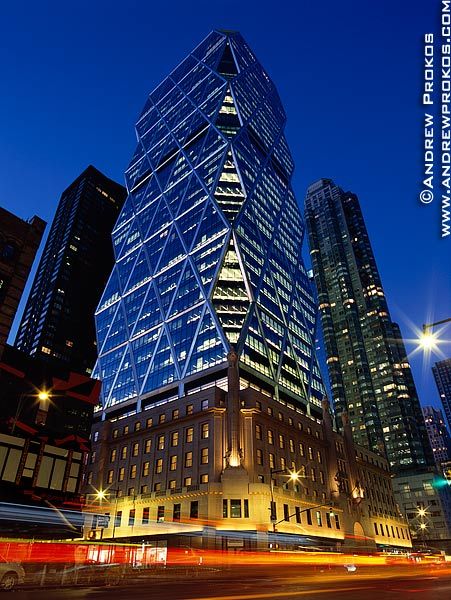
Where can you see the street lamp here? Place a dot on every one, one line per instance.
(43, 397)
(103, 495)
(428, 340)
(293, 476)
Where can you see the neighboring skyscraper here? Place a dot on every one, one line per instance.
(442, 375)
(370, 375)
(19, 242)
(438, 435)
(58, 323)
(208, 245)
(206, 332)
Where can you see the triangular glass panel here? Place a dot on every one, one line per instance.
(161, 220)
(167, 285)
(136, 174)
(229, 193)
(124, 267)
(227, 120)
(243, 53)
(195, 194)
(150, 314)
(208, 170)
(103, 322)
(162, 370)
(207, 260)
(132, 305)
(142, 349)
(189, 222)
(119, 237)
(182, 331)
(112, 291)
(183, 68)
(150, 192)
(154, 247)
(273, 330)
(159, 150)
(211, 46)
(125, 386)
(210, 107)
(208, 348)
(133, 239)
(180, 170)
(117, 333)
(108, 368)
(140, 273)
(211, 225)
(230, 298)
(175, 193)
(213, 143)
(195, 142)
(227, 67)
(173, 250)
(255, 351)
(166, 167)
(127, 212)
(188, 292)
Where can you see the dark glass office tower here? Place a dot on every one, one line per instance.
(208, 244)
(442, 376)
(58, 321)
(370, 374)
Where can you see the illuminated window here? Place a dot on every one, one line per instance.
(188, 459)
(135, 449)
(204, 431)
(159, 466)
(173, 463)
(204, 456)
(189, 435)
(160, 444)
(146, 468)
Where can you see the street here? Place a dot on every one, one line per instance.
(250, 584)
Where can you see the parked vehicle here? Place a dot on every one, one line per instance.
(11, 574)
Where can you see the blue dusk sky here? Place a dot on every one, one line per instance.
(75, 76)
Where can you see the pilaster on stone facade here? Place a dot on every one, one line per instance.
(234, 451)
(332, 462)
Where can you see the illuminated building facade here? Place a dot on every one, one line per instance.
(438, 434)
(442, 376)
(206, 331)
(19, 242)
(369, 372)
(57, 325)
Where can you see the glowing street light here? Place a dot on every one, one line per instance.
(43, 396)
(421, 512)
(423, 526)
(428, 341)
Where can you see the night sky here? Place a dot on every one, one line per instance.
(75, 76)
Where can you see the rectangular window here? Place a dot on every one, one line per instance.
(310, 453)
(259, 456)
(131, 491)
(270, 437)
(149, 422)
(188, 459)
(144, 488)
(121, 474)
(204, 456)
(126, 429)
(321, 477)
(319, 457)
(124, 452)
(176, 512)
(146, 468)
(319, 520)
(146, 511)
(137, 425)
(224, 509)
(328, 521)
(286, 512)
(291, 445)
(110, 477)
(309, 516)
(337, 521)
(187, 481)
(118, 518)
(132, 471)
(174, 439)
(115, 433)
(135, 449)
(160, 513)
(159, 466)
(298, 514)
(283, 463)
(189, 409)
(157, 486)
(194, 510)
(172, 484)
(281, 441)
(204, 431)
(160, 442)
(375, 529)
(258, 432)
(271, 461)
(131, 517)
(175, 414)
(173, 463)
(147, 445)
(301, 449)
(246, 508)
(113, 454)
(204, 405)
(235, 509)
(189, 435)
(162, 418)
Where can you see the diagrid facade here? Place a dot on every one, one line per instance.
(208, 245)
(206, 329)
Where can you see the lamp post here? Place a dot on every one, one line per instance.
(43, 397)
(293, 476)
(331, 513)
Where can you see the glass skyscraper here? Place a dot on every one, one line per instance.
(369, 371)
(208, 244)
(442, 376)
(57, 325)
